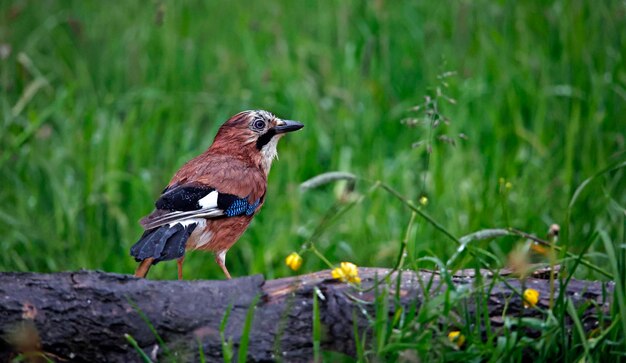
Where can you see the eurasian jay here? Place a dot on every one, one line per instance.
(210, 201)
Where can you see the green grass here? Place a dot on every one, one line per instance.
(100, 104)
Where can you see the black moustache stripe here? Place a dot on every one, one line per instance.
(265, 138)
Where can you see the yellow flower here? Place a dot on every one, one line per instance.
(347, 272)
(531, 297)
(457, 338)
(423, 200)
(294, 261)
(508, 185)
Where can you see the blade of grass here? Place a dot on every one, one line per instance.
(579, 259)
(583, 185)
(579, 327)
(382, 315)
(201, 351)
(619, 294)
(317, 331)
(593, 342)
(359, 345)
(140, 351)
(32, 357)
(151, 327)
(616, 165)
(401, 256)
(325, 178)
(242, 354)
(227, 345)
(475, 236)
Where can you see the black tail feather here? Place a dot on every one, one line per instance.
(162, 243)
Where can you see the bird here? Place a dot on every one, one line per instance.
(210, 200)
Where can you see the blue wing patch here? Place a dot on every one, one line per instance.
(241, 206)
(252, 207)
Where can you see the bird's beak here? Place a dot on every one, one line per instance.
(283, 126)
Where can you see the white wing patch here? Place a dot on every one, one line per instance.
(209, 201)
(185, 222)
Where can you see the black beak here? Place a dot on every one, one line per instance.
(284, 126)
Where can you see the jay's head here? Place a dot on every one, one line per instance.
(254, 135)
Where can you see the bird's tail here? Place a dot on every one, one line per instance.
(163, 243)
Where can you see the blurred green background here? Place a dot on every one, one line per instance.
(103, 101)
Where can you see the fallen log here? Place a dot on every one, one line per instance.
(84, 316)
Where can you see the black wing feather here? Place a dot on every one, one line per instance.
(183, 198)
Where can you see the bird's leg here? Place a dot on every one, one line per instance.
(144, 267)
(220, 258)
(179, 262)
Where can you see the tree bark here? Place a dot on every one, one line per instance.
(84, 316)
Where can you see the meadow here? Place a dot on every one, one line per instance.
(521, 103)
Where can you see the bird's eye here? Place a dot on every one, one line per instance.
(258, 124)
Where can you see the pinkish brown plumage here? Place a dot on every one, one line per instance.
(211, 200)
